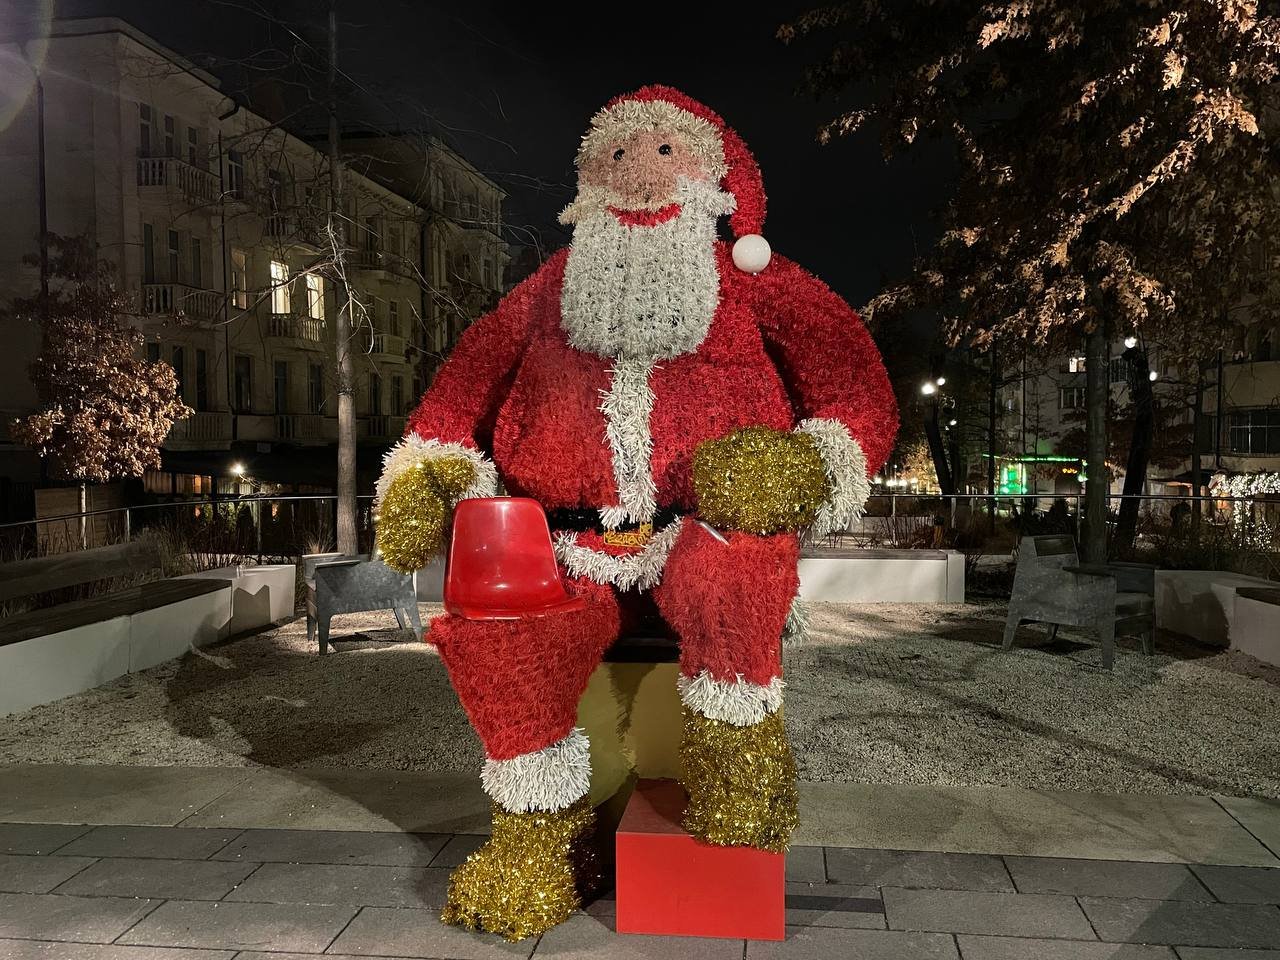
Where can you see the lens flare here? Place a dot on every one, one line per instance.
(23, 56)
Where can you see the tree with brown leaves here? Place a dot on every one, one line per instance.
(1113, 180)
(104, 411)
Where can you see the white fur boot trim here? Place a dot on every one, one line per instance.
(738, 702)
(549, 779)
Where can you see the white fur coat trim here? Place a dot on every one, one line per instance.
(627, 406)
(846, 468)
(640, 570)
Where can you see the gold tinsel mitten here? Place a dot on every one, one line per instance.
(532, 874)
(759, 480)
(741, 782)
(413, 513)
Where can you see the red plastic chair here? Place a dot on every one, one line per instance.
(501, 563)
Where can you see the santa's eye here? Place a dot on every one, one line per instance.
(617, 154)
(665, 149)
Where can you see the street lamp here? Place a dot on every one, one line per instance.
(1130, 342)
(238, 469)
(928, 389)
(1153, 376)
(941, 381)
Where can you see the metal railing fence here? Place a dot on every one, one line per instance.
(268, 526)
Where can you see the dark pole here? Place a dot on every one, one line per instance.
(1135, 471)
(1217, 420)
(43, 202)
(991, 441)
(1095, 497)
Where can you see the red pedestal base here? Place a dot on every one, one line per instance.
(668, 883)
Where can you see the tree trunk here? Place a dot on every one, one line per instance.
(1197, 421)
(348, 541)
(1135, 471)
(941, 468)
(1097, 396)
(84, 508)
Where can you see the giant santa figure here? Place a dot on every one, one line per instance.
(684, 409)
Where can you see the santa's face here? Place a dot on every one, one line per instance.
(641, 282)
(640, 171)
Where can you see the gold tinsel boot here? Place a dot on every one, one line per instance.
(531, 875)
(741, 782)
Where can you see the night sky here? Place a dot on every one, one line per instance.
(513, 85)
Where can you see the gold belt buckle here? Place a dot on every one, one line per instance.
(634, 537)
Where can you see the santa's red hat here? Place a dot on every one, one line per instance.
(656, 106)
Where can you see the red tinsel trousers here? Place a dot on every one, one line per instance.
(520, 680)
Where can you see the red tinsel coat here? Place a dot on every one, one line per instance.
(782, 347)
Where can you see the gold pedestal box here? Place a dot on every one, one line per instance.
(631, 714)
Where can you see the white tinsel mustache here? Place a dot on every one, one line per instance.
(693, 196)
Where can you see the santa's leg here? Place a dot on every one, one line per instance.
(729, 602)
(520, 681)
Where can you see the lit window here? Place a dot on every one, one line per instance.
(1071, 398)
(1075, 365)
(315, 296)
(239, 279)
(279, 287)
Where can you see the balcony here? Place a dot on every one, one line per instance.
(303, 331)
(178, 299)
(381, 426)
(198, 186)
(366, 258)
(298, 228)
(386, 346)
(305, 428)
(205, 430)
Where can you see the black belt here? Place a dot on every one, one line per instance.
(583, 520)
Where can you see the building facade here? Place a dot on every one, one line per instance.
(217, 221)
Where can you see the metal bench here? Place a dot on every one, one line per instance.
(339, 584)
(1052, 586)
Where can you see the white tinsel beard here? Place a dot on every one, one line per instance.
(643, 293)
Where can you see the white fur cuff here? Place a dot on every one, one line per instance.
(738, 702)
(549, 779)
(412, 452)
(846, 469)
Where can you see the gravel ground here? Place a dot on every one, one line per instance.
(879, 693)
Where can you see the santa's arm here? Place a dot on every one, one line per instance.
(463, 400)
(836, 380)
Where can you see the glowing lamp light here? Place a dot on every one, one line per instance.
(1153, 376)
(928, 389)
(238, 469)
(941, 381)
(951, 423)
(1130, 342)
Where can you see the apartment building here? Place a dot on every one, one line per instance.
(1042, 401)
(467, 257)
(1041, 405)
(218, 223)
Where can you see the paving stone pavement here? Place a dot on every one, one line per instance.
(70, 892)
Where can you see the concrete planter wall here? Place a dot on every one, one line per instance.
(882, 576)
(1200, 603)
(260, 595)
(60, 664)
(1256, 629)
